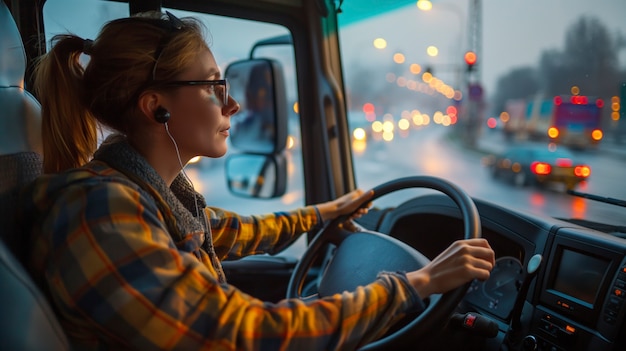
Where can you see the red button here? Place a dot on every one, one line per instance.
(469, 320)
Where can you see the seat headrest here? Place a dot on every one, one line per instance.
(12, 54)
(20, 112)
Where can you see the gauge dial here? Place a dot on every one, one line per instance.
(498, 293)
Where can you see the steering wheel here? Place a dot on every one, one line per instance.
(360, 255)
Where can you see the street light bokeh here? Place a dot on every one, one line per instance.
(427, 5)
(398, 58)
(432, 51)
(380, 43)
(424, 5)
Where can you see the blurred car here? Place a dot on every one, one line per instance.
(540, 164)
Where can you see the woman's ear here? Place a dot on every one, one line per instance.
(148, 103)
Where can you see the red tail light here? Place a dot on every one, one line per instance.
(563, 162)
(540, 168)
(582, 171)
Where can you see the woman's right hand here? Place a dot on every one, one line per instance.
(460, 263)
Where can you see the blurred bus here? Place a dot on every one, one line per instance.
(576, 121)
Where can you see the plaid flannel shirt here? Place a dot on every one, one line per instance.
(103, 255)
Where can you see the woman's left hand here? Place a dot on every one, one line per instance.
(346, 204)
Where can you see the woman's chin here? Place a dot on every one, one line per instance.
(217, 153)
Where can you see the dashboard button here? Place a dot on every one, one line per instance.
(611, 313)
(614, 303)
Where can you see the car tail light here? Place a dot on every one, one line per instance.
(540, 168)
(564, 162)
(582, 171)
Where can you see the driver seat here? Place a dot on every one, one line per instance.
(27, 321)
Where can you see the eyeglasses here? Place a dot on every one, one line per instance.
(220, 87)
(173, 24)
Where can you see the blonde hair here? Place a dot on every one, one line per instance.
(122, 60)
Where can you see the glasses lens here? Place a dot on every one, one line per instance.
(219, 90)
(225, 92)
(220, 87)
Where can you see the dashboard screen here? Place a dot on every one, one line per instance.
(579, 275)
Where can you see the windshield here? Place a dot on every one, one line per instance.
(446, 86)
(443, 88)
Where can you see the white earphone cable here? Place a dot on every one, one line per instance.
(182, 168)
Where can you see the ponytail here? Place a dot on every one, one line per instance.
(77, 100)
(69, 130)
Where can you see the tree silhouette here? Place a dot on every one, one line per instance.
(520, 83)
(589, 60)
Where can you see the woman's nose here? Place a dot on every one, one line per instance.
(232, 107)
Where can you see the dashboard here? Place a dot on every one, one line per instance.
(574, 300)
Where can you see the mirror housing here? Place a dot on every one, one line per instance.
(261, 125)
(256, 175)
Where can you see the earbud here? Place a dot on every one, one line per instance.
(161, 115)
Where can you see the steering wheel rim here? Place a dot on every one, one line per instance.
(441, 306)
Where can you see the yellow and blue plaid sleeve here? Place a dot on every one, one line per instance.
(236, 236)
(119, 282)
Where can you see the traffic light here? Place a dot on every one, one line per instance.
(470, 60)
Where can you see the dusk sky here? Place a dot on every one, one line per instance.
(514, 32)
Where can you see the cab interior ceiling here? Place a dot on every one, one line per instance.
(28, 15)
(24, 11)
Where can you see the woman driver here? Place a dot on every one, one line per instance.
(129, 253)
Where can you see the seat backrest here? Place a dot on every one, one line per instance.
(26, 320)
(20, 127)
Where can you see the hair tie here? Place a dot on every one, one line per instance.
(87, 46)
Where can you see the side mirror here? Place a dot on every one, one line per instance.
(258, 176)
(261, 125)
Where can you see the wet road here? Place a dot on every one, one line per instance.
(432, 152)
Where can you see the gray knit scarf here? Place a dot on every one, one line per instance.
(180, 197)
